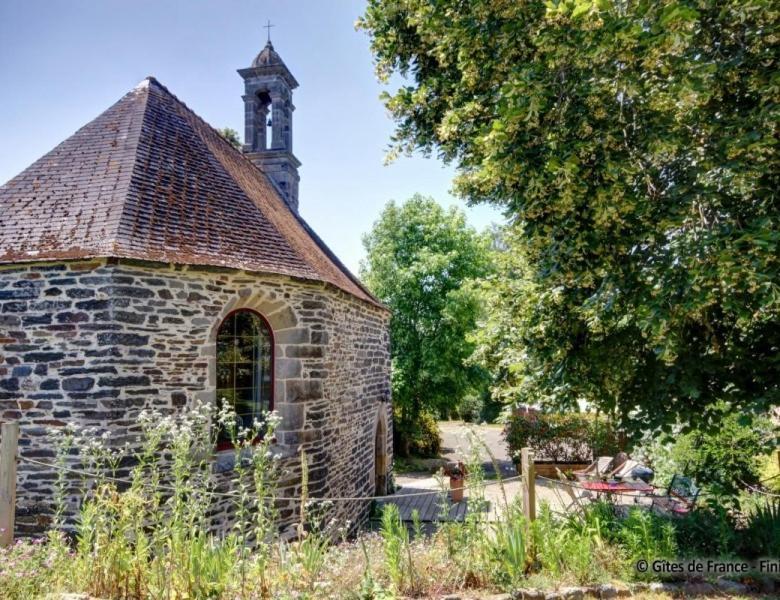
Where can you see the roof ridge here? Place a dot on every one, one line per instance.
(335, 259)
(319, 241)
(142, 87)
(153, 80)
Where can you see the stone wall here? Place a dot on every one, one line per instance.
(94, 342)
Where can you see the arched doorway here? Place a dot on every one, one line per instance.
(380, 457)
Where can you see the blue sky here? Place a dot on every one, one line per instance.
(62, 62)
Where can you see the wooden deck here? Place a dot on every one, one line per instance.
(427, 502)
(422, 493)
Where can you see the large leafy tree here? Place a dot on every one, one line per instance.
(507, 294)
(422, 261)
(633, 145)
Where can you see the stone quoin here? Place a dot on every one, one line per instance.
(126, 254)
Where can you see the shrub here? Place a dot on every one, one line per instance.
(721, 461)
(573, 437)
(420, 438)
(706, 531)
(729, 457)
(761, 535)
(470, 408)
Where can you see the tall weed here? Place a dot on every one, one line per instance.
(152, 536)
(508, 548)
(761, 535)
(647, 536)
(395, 536)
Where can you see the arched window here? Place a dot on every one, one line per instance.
(264, 116)
(245, 353)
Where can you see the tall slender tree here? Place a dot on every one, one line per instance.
(421, 261)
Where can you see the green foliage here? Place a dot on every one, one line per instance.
(396, 544)
(421, 261)
(721, 461)
(507, 548)
(600, 531)
(570, 437)
(633, 147)
(770, 472)
(507, 295)
(568, 549)
(419, 438)
(479, 407)
(645, 535)
(231, 135)
(470, 408)
(134, 544)
(706, 531)
(761, 536)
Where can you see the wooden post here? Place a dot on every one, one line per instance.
(531, 487)
(8, 445)
(529, 484)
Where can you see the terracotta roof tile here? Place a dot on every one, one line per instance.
(149, 179)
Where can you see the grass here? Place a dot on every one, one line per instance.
(414, 464)
(153, 540)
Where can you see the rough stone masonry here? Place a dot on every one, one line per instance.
(93, 342)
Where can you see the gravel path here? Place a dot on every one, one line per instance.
(456, 447)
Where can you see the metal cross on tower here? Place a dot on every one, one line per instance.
(268, 27)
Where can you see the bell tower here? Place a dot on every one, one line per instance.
(268, 110)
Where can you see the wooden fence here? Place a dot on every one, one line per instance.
(9, 440)
(9, 443)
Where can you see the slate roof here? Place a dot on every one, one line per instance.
(149, 179)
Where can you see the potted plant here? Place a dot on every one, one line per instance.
(457, 475)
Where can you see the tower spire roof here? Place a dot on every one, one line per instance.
(268, 57)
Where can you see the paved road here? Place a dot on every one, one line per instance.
(456, 444)
(456, 447)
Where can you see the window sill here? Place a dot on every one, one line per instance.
(225, 459)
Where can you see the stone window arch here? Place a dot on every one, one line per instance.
(263, 117)
(245, 368)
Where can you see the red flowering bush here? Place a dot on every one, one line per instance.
(561, 438)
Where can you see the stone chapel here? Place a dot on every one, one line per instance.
(145, 262)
